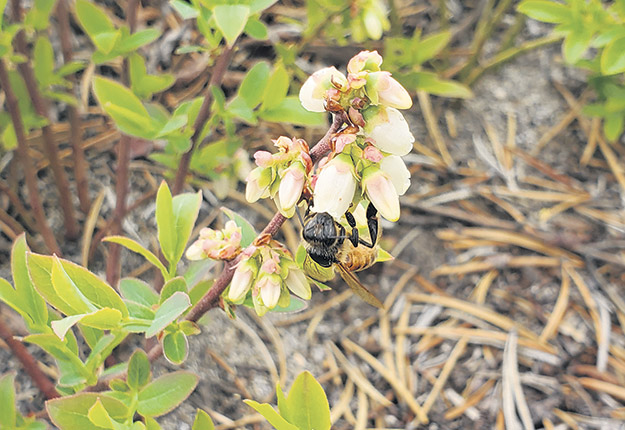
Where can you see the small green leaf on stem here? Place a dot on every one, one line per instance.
(271, 415)
(202, 421)
(171, 309)
(231, 20)
(7, 401)
(307, 404)
(175, 347)
(139, 249)
(72, 412)
(165, 393)
(139, 373)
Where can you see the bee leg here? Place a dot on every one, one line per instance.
(372, 224)
(299, 215)
(353, 237)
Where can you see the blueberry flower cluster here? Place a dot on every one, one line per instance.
(366, 158)
(269, 272)
(216, 244)
(281, 176)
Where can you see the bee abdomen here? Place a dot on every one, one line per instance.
(357, 259)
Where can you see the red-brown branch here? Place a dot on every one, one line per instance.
(200, 121)
(80, 164)
(41, 107)
(113, 262)
(28, 362)
(27, 164)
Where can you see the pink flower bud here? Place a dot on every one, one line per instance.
(258, 182)
(381, 192)
(297, 282)
(389, 131)
(313, 91)
(335, 187)
(242, 280)
(291, 185)
(389, 92)
(365, 60)
(342, 140)
(372, 153)
(269, 287)
(263, 158)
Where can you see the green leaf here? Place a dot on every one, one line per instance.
(260, 5)
(383, 255)
(613, 126)
(139, 249)
(124, 107)
(198, 291)
(430, 46)
(545, 11)
(277, 88)
(240, 109)
(576, 43)
(92, 18)
(150, 424)
(102, 347)
(43, 65)
(98, 415)
(137, 40)
(189, 328)
(70, 68)
(173, 285)
(184, 9)
(165, 393)
(3, 4)
(171, 309)
(139, 373)
(106, 41)
(431, 83)
(613, 57)
(291, 111)
(295, 305)
(8, 413)
(231, 20)
(9, 296)
(307, 404)
(96, 291)
(72, 412)
(253, 85)
(256, 29)
(103, 319)
(270, 415)
(38, 16)
(165, 221)
(139, 291)
(185, 210)
(176, 347)
(67, 291)
(248, 233)
(202, 421)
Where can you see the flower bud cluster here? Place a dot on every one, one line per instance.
(216, 244)
(281, 176)
(366, 158)
(269, 273)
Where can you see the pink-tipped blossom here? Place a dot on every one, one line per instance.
(263, 158)
(390, 93)
(291, 185)
(381, 192)
(242, 280)
(390, 132)
(269, 287)
(258, 183)
(342, 140)
(313, 92)
(335, 187)
(216, 244)
(364, 60)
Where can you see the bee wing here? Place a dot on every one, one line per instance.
(360, 290)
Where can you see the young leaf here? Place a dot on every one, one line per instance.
(137, 290)
(277, 88)
(7, 401)
(96, 291)
(613, 57)
(428, 47)
(92, 18)
(248, 233)
(175, 347)
(260, 5)
(307, 404)
(9, 296)
(102, 319)
(545, 11)
(139, 249)
(253, 85)
(137, 40)
(171, 309)
(139, 373)
(256, 29)
(271, 415)
(150, 424)
(72, 412)
(231, 20)
(202, 421)
(43, 65)
(98, 415)
(184, 9)
(165, 393)
(576, 43)
(176, 284)
(59, 350)
(165, 221)
(67, 291)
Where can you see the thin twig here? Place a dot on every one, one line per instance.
(49, 146)
(28, 361)
(80, 164)
(29, 171)
(203, 115)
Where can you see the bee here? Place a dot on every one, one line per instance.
(329, 246)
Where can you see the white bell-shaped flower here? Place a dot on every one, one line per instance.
(312, 93)
(389, 131)
(335, 187)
